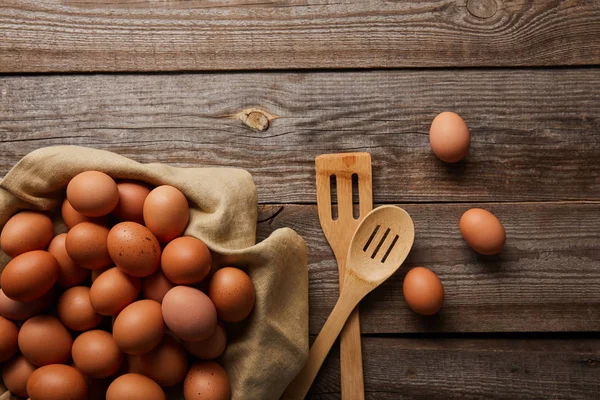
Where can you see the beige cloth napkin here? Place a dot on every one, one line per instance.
(266, 351)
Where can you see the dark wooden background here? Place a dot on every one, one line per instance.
(269, 85)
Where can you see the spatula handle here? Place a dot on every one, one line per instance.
(352, 383)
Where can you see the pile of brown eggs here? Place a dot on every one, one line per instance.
(121, 297)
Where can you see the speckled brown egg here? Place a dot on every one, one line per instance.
(156, 286)
(139, 327)
(186, 260)
(482, 231)
(9, 333)
(232, 292)
(112, 291)
(206, 380)
(134, 387)
(134, 249)
(57, 382)
(166, 212)
(72, 217)
(29, 276)
(26, 231)
(19, 311)
(70, 273)
(131, 201)
(166, 364)
(423, 291)
(75, 309)
(35, 336)
(449, 137)
(210, 348)
(86, 245)
(15, 374)
(189, 313)
(93, 193)
(96, 354)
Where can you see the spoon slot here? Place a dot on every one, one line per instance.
(387, 232)
(389, 250)
(371, 238)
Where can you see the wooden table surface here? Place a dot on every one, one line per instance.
(269, 85)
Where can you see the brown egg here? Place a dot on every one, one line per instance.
(166, 364)
(72, 217)
(112, 291)
(15, 374)
(186, 260)
(139, 327)
(156, 286)
(19, 311)
(189, 313)
(131, 201)
(29, 276)
(93, 193)
(75, 310)
(134, 387)
(70, 273)
(449, 137)
(423, 291)
(210, 348)
(134, 249)
(57, 382)
(482, 231)
(232, 292)
(26, 231)
(35, 338)
(166, 213)
(86, 244)
(96, 354)
(206, 380)
(9, 333)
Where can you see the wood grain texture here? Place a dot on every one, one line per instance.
(471, 368)
(534, 131)
(545, 279)
(81, 35)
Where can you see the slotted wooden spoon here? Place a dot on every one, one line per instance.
(378, 248)
(339, 234)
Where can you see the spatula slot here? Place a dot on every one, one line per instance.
(355, 197)
(387, 232)
(371, 237)
(389, 250)
(333, 193)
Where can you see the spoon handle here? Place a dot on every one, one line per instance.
(348, 300)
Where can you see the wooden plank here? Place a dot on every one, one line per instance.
(535, 132)
(74, 35)
(545, 279)
(440, 368)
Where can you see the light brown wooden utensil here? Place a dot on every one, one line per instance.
(339, 234)
(378, 248)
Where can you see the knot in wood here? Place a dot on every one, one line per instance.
(255, 118)
(482, 8)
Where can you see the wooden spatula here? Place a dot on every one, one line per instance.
(339, 234)
(379, 247)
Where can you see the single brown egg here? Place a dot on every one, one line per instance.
(131, 201)
(72, 217)
(29, 276)
(134, 249)
(19, 311)
(166, 212)
(96, 354)
(232, 292)
(15, 374)
(449, 137)
(86, 244)
(57, 382)
(156, 286)
(189, 313)
(139, 327)
(9, 333)
(166, 364)
(44, 340)
(134, 387)
(112, 291)
(482, 231)
(70, 273)
(211, 348)
(423, 291)
(206, 380)
(75, 309)
(186, 260)
(93, 193)
(26, 231)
